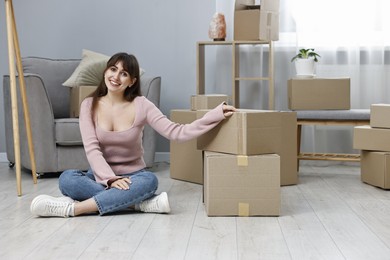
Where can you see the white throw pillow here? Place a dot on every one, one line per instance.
(90, 70)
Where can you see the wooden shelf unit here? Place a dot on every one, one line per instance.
(200, 76)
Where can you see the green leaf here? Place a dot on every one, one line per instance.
(305, 54)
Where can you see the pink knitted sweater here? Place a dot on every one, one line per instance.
(112, 153)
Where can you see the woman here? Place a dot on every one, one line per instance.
(111, 122)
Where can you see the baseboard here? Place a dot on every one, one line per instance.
(3, 157)
(162, 157)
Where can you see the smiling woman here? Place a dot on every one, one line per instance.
(112, 119)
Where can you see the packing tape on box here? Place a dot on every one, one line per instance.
(242, 160)
(269, 19)
(243, 209)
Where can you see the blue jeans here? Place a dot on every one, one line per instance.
(81, 185)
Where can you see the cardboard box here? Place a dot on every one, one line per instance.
(319, 93)
(185, 159)
(375, 168)
(373, 139)
(237, 185)
(288, 149)
(246, 132)
(256, 22)
(77, 95)
(199, 102)
(380, 115)
(254, 132)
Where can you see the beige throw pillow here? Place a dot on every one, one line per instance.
(90, 70)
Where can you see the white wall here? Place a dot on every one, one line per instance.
(162, 34)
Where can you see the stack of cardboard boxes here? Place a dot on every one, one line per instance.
(374, 143)
(246, 158)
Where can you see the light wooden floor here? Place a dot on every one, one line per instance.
(330, 214)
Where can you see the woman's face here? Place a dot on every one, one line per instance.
(117, 79)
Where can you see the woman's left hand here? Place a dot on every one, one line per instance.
(228, 110)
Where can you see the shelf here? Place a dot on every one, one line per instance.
(233, 42)
(200, 77)
(255, 79)
(330, 157)
(215, 43)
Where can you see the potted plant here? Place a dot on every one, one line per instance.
(305, 62)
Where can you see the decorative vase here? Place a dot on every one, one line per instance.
(217, 28)
(305, 67)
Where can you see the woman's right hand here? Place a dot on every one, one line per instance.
(121, 184)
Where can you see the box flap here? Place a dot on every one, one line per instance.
(269, 25)
(386, 171)
(270, 5)
(244, 5)
(242, 134)
(267, 5)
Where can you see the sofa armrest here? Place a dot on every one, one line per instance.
(41, 119)
(150, 88)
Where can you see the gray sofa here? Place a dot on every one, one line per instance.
(56, 137)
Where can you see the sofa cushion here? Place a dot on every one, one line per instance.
(351, 114)
(67, 132)
(90, 70)
(53, 73)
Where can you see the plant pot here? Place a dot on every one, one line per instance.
(305, 67)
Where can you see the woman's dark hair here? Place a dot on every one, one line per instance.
(130, 64)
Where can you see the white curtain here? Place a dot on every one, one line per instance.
(353, 38)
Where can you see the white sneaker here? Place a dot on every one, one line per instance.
(48, 206)
(66, 198)
(157, 204)
(62, 198)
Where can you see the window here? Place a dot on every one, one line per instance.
(332, 23)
